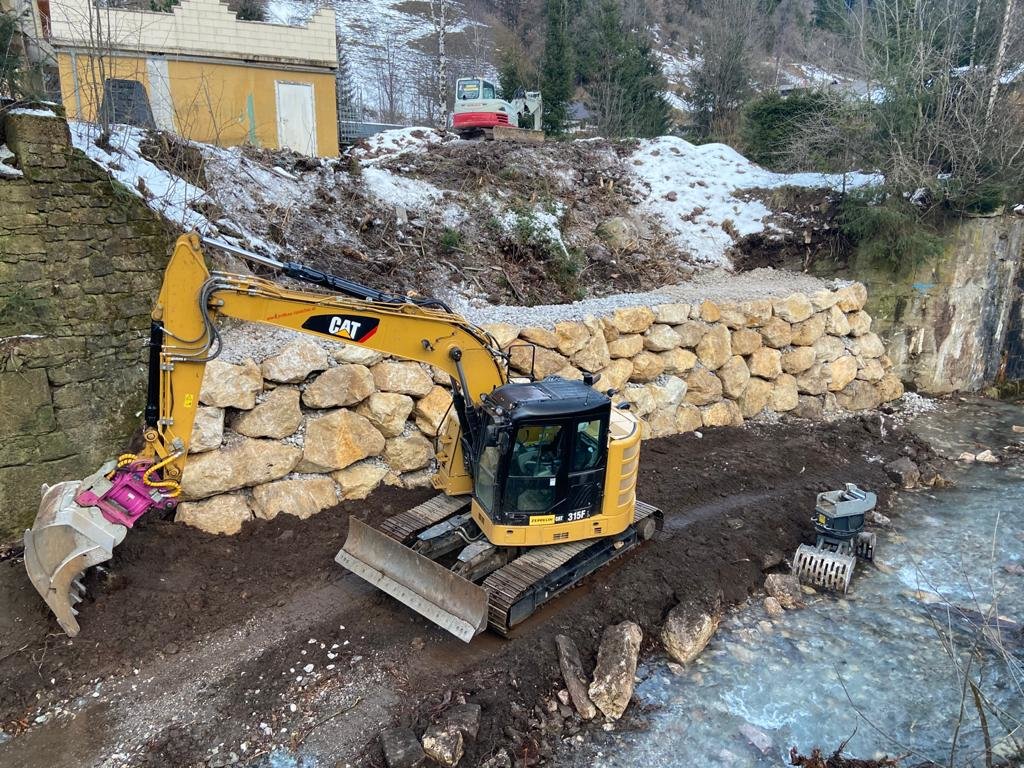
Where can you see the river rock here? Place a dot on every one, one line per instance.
(715, 348)
(401, 748)
(809, 331)
(687, 631)
(544, 362)
(340, 386)
(575, 680)
(647, 366)
(539, 336)
(784, 394)
(688, 418)
(612, 687)
(776, 333)
(231, 386)
(404, 377)
(734, 376)
(840, 372)
(277, 416)
(798, 359)
(302, 497)
(361, 479)
(339, 439)
(223, 514)
(626, 346)
(443, 744)
(709, 311)
(387, 411)
(903, 471)
(758, 739)
(766, 363)
(615, 375)
(661, 338)
(703, 387)
(632, 319)
(672, 314)
(571, 337)
(404, 454)
(242, 464)
(986, 457)
(745, 341)
(785, 588)
(836, 322)
(691, 332)
(773, 607)
(207, 430)
(431, 410)
(678, 361)
(795, 308)
(503, 333)
(755, 398)
(296, 360)
(356, 355)
(724, 413)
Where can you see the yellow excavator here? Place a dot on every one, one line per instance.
(538, 478)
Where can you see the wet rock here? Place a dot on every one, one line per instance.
(758, 739)
(406, 378)
(231, 386)
(243, 464)
(785, 588)
(223, 514)
(687, 631)
(431, 410)
(401, 748)
(296, 360)
(387, 411)
(443, 744)
(612, 687)
(966, 457)
(572, 673)
(207, 430)
(986, 457)
(337, 440)
(302, 497)
(465, 718)
(904, 471)
(340, 386)
(277, 416)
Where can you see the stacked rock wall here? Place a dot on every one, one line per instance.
(312, 424)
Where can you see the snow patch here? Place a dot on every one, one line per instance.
(32, 112)
(411, 194)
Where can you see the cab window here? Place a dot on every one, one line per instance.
(468, 89)
(535, 464)
(488, 90)
(586, 452)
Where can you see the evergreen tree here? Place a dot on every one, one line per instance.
(511, 78)
(557, 75)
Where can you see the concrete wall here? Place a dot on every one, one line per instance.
(80, 261)
(306, 423)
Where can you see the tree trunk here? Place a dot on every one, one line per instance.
(997, 67)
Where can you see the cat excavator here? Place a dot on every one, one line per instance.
(537, 478)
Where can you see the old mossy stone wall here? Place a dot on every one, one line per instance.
(81, 258)
(292, 425)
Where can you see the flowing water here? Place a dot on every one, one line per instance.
(883, 666)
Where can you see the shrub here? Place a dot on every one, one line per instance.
(770, 123)
(889, 230)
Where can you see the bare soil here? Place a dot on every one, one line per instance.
(193, 643)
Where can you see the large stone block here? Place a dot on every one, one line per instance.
(343, 385)
(867, 346)
(25, 403)
(840, 372)
(353, 354)
(244, 463)
(231, 386)
(852, 298)
(836, 322)
(776, 333)
(798, 359)
(647, 366)
(407, 378)
(626, 346)
(745, 341)
(691, 332)
(755, 398)
(612, 687)
(615, 374)
(766, 363)
(296, 360)
(785, 395)
(207, 430)
(222, 514)
(678, 361)
(795, 308)
(539, 336)
(859, 396)
(724, 413)
(632, 319)
(277, 416)
(302, 497)
(337, 440)
(594, 354)
(702, 387)
(672, 314)
(571, 337)
(715, 348)
(503, 333)
(809, 331)
(404, 454)
(361, 479)
(660, 338)
(431, 410)
(387, 411)
(734, 376)
(533, 360)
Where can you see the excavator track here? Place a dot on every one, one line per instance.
(405, 525)
(516, 590)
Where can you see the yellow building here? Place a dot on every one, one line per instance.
(200, 72)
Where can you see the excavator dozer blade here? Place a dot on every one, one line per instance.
(820, 568)
(450, 601)
(65, 540)
(510, 133)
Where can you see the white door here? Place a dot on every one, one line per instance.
(296, 119)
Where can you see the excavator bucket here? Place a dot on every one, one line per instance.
(430, 589)
(65, 540)
(821, 568)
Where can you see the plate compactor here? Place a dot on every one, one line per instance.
(841, 539)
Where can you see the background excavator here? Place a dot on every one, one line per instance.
(480, 111)
(538, 478)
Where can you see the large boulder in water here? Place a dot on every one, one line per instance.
(612, 687)
(687, 630)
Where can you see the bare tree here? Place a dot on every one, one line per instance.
(439, 16)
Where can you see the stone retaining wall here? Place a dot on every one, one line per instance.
(312, 424)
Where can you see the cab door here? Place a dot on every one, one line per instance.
(588, 457)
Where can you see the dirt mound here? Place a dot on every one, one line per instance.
(219, 626)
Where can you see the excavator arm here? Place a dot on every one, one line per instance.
(79, 523)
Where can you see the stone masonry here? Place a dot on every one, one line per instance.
(330, 422)
(81, 259)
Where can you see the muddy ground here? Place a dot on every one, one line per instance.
(193, 643)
